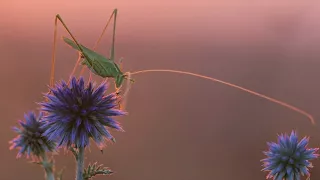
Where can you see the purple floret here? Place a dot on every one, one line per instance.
(31, 140)
(76, 113)
(289, 159)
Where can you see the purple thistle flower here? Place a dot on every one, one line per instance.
(31, 140)
(289, 159)
(77, 113)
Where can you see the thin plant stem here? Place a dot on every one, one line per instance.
(80, 164)
(48, 167)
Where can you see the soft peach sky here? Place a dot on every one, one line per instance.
(212, 18)
(179, 127)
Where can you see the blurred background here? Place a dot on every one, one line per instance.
(178, 127)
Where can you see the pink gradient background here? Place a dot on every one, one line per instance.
(179, 127)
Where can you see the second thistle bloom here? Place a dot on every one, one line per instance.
(289, 159)
(78, 112)
(31, 141)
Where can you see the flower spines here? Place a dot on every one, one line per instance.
(77, 113)
(289, 159)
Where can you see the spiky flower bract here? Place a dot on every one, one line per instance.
(289, 159)
(78, 112)
(31, 140)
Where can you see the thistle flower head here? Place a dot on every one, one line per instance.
(289, 159)
(78, 112)
(31, 141)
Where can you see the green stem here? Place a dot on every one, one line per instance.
(48, 167)
(80, 164)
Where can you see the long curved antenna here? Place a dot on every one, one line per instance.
(234, 86)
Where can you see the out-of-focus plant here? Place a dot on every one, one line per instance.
(289, 158)
(32, 143)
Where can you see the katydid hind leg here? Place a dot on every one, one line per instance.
(114, 13)
(58, 17)
(113, 34)
(114, 16)
(53, 54)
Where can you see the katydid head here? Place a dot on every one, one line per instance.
(119, 79)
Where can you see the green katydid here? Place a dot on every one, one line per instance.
(106, 67)
(97, 63)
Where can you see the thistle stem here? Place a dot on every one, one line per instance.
(80, 164)
(48, 167)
